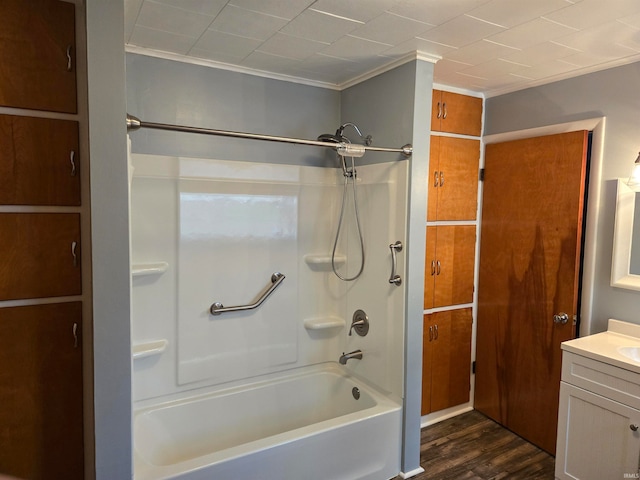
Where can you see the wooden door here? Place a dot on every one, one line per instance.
(40, 255)
(453, 179)
(446, 359)
(455, 260)
(41, 437)
(456, 113)
(430, 267)
(39, 163)
(38, 70)
(529, 269)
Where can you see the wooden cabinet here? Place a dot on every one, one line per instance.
(598, 422)
(449, 268)
(453, 179)
(455, 113)
(38, 68)
(446, 359)
(40, 253)
(39, 161)
(41, 392)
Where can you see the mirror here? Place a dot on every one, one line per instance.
(625, 268)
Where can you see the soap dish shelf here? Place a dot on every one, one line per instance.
(323, 262)
(146, 269)
(323, 323)
(148, 349)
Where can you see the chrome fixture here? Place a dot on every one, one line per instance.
(561, 318)
(276, 279)
(360, 323)
(395, 278)
(348, 356)
(355, 391)
(134, 123)
(634, 179)
(346, 149)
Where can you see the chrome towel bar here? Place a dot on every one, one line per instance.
(276, 279)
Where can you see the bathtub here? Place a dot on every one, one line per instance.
(303, 424)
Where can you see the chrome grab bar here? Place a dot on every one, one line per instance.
(395, 278)
(276, 279)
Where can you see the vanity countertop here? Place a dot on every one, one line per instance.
(618, 346)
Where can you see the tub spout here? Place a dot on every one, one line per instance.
(346, 356)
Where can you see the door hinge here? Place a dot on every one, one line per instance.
(473, 367)
(481, 174)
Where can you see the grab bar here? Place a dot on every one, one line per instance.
(395, 278)
(276, 279)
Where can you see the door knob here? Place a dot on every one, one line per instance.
(560, 318)
(633, 427)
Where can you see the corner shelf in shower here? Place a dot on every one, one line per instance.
(323, 323)
(322, 262)
(145, 269)
(148, 349)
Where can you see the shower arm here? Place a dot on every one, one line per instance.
(134, 123)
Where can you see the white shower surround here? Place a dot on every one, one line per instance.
(202, 354)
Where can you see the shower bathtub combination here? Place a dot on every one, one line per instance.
(230, 387)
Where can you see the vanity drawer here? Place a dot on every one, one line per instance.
(612, 382)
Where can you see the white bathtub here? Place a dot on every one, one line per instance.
(302, 425)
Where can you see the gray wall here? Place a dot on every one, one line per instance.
(110, 240)
(165, 91)
(395, 108)
(382, 107)
(612, 93)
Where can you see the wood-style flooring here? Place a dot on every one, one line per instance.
(471, 446)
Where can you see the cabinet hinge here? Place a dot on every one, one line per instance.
(473, 367)
(481, 174)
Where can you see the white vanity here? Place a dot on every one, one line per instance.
(599, 414)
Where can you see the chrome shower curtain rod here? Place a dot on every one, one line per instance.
(134, 123)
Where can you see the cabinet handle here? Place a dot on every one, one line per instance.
(75, 335)
(438, 267)
(69, 63)
(435, 179)
(72, 159)
(633, 427)
(73, 253)
(430, 333)
(444, 106)
(439, 110)
(435, 332)
(433, 267)
(441, 179)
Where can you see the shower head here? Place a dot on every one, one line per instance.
(330, 138)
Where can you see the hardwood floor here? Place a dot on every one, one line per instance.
(472, 446)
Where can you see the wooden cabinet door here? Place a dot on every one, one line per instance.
(38, 161)
(449, 265)
(427, 356)
(41, 428)
(430, 267)
(453, 179)
(456, 113)
(595, 440)
(446, 359)
(38, 68)
(41, 255)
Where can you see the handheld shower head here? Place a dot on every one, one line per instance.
(330, 138)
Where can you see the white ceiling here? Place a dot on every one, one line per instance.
(488, 46)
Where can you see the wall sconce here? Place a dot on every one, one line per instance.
(634, 179)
